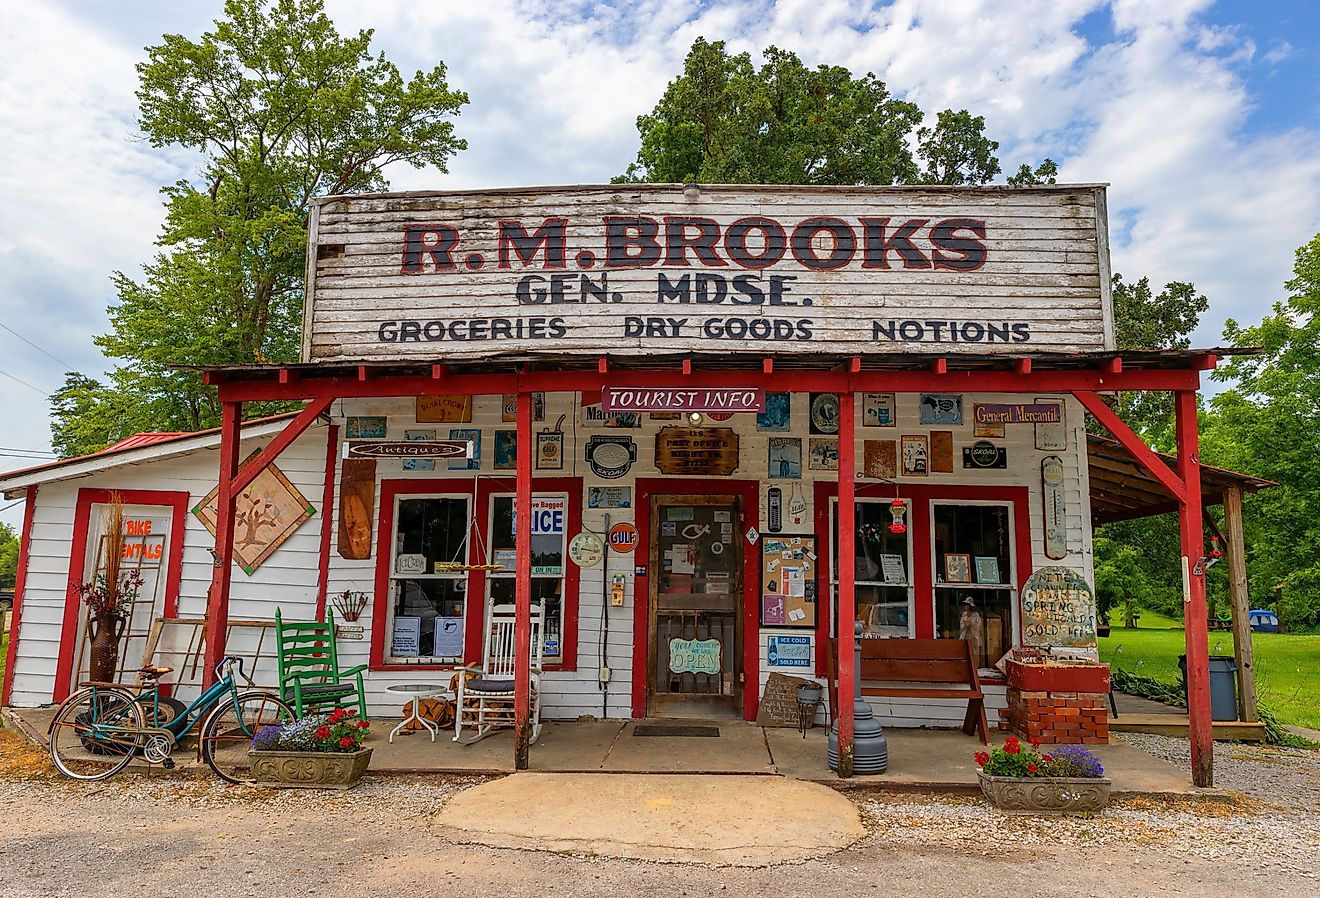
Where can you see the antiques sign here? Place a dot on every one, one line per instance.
(656, 269)
(643, 399)
(696, 450)
(408, 449)
(1058, 609)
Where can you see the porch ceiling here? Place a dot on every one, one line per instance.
(1121, 489)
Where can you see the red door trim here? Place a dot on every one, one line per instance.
(327, 518)
(177, 502)
(20, 581)
(749, 491)
(474, 605)
(919, 498)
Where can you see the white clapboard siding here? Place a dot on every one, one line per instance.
(286, 579)
(1045, 265)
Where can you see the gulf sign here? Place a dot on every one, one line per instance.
(623, 537)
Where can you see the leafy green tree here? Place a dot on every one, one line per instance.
(725, 121)
(1045, 173)
(1268, 424)
(8, 556)
(281, 108)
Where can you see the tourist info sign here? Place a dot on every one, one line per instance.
(656, 269)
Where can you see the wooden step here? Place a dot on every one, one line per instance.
(1176, 725)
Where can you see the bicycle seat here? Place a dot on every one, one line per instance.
(151, 672)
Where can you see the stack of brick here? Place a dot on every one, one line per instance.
(1057, 718)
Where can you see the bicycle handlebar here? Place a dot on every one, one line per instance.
(232, 661)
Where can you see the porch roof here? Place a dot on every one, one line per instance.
(1122, 489)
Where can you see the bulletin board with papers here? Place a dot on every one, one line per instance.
(788, 580)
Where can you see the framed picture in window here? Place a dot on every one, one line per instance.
(987, 569)
(957, 567)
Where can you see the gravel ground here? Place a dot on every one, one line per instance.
(168, 834)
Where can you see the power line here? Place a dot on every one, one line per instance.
(25, 383)
(26, 451)
(66, 365)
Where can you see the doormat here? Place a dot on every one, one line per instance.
(661, 729)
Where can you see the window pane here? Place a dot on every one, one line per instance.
(987, 622)
(544, 590)
(871, 542)
(549, 523)
(881, 610)
(979, 532)
(434, 527)
(429, 599)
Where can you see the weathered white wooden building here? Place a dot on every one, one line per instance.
(729, 388)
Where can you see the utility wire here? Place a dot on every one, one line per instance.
(24, 383)
(66, 365)
(27, 451)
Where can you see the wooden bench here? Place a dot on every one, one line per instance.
(920, 668)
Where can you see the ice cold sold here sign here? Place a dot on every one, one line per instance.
(649, 269)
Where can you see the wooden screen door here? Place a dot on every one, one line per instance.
(695, 645)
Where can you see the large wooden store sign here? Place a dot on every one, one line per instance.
(654, 269)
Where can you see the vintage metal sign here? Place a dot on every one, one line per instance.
(718, 400)
(408, 449)
(655, 269)
(696, 450)
(1056, 534)
(984, 454)
(1058, 609)
(611, 457)
(1018, 413)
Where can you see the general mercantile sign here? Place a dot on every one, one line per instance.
(658, 269)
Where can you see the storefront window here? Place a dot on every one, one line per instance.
(427, 610)
(973, 578)
(882, 568)
(549, 524)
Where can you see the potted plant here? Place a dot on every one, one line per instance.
(109, 598)
(319, 751)
(1069, 779)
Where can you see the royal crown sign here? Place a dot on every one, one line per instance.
(658, 269)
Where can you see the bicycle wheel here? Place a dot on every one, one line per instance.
(95, 733)
(227, 732)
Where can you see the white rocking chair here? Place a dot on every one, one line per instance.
(485, 702)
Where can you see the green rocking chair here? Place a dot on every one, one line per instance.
(310, 678)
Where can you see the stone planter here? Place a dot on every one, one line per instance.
(309, 769)
(1045, 794)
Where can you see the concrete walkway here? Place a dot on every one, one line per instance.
(739, 820)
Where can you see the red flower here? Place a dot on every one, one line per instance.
(1012, 747)
(363, 724)
(1033, 769)
(982, 758)
(336, 715)
(1035, 743)
(346, 743)
(351, 712)
(1046, 758)
(323, 732)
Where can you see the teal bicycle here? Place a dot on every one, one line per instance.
(101, 728)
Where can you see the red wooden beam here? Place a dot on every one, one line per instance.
(522, 677)
(687, 367)
(217, 600)
(1022, 366)
(855, 365)
(282, 441)
(1195, 627)
(1113, 366)
(767, 366)
(362, 373)
(847, 582)
(438, 371)
(940, 366)
(287, 376)
(1207, 362)
(602, 365)
(327, 518)
(1133, 443)
(787, 380)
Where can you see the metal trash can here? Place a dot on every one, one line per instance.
(1223, 685)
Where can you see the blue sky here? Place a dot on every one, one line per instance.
(1204, 118)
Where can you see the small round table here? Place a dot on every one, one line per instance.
(417, 692)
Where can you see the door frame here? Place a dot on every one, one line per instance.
(70, 631)
(748, 492)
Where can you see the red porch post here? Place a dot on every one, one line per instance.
(217, 602)
(1194, 622)
(522, 676)
(847, 575)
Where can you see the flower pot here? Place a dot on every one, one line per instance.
(309, 769)
(1045, 794)
(104, 630)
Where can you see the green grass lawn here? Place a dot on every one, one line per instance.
(1287, 667)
